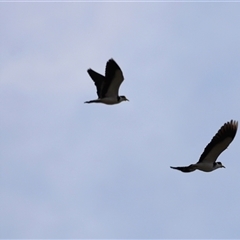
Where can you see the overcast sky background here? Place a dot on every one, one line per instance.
(75, 170)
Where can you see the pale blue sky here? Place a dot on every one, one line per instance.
(72, 170)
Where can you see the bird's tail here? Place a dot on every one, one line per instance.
(187, 169)
(93, 101)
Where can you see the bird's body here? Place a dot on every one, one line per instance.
(108, 85)
(107, 100)
(218, 144)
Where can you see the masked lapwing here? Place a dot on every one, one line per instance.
(218, 144)
(108, 86)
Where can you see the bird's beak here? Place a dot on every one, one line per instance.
(223, 166)
(127, 100)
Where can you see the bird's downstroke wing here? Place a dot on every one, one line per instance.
(219, 142)
(113, 79)
(98, 80)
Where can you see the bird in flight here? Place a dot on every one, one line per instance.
(218, 144)
(108, 86)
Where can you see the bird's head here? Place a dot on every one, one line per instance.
(122, 98)
(219, 165)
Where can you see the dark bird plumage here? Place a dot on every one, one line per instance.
(108, 85)
(221, 140)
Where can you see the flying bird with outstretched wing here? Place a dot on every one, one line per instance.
(218, 144)
(108, 85)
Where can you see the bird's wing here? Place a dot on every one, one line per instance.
(187, 169)
(219, 142)
(98, 80)
(114, 78)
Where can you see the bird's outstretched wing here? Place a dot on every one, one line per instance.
(219, 142)
(187, 169)
(98, 80)
(113, 79)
